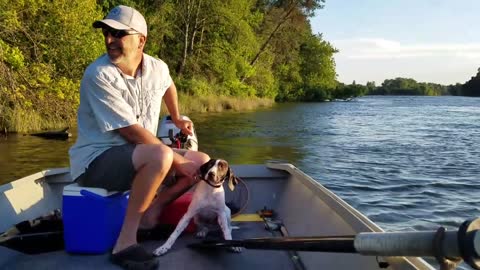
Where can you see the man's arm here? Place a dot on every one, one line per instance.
(171, 100)
(136, 134)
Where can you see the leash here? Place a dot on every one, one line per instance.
(247, 194)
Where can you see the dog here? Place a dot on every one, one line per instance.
(207, 207)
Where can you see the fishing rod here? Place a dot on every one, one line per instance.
(448, 247)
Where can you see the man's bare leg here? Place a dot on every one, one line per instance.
(166, 195)
(152, 163)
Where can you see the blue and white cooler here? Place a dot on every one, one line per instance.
(92, 218)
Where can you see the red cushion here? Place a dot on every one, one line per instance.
(173, 212)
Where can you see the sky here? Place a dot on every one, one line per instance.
(434, 41)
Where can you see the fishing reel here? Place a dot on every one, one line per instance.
(174, 137)
(178, 140)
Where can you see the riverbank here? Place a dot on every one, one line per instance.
(191, 104)
(23, 121)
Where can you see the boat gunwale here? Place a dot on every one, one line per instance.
(38, 176)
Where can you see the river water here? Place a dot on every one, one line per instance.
(405, 162)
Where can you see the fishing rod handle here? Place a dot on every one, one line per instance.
(455, 245)
(417, 244)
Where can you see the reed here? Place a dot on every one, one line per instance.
(194, 104)
(22, 121)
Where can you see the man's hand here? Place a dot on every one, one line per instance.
(186, 126)
(185, 167)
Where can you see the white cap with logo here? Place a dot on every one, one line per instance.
(124, 18)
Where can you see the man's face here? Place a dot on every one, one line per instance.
(122, 45)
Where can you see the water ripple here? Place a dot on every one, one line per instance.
(406, 162)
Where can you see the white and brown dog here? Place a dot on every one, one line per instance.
(208, 207)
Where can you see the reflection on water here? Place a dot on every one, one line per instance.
(248, 138)
(22, 155)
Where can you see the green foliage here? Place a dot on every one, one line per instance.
(12, 56)
(44, 48)
(455, 90)
(470, 88)
(195, 87)
(318, 67)
(370, 86)
(350, 91)
(263, 81)
(406, 86)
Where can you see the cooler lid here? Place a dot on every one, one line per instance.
(74, 190)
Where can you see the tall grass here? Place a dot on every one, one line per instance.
(23, 121)
(189, 104)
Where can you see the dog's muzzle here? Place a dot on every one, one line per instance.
(214, 185)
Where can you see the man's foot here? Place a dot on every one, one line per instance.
(134, 257)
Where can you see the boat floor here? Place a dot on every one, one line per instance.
(179, 257)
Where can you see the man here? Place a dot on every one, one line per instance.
(120, 98)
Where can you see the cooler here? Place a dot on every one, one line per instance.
(92, 218)
(173, 212)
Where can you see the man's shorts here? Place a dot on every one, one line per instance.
(113, 170)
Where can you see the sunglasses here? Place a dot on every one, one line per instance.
(118, 33)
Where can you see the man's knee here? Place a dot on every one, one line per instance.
(152, 154)
(197, 157)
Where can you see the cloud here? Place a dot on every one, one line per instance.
(378, 48)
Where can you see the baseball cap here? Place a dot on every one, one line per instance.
(124, 18)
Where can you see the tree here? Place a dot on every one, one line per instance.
(407, 86)
(472, 86)
(45, 46)
(455, 90)
(318, 67)
(370, 86)
(281, 11)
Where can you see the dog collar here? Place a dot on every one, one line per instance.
(212, 185)
(215, 186)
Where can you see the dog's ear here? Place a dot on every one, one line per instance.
(232, 180)
(206, 166)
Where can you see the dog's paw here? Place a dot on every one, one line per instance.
(236, 249)
(161, 250)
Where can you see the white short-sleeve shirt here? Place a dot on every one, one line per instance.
(110, 100)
